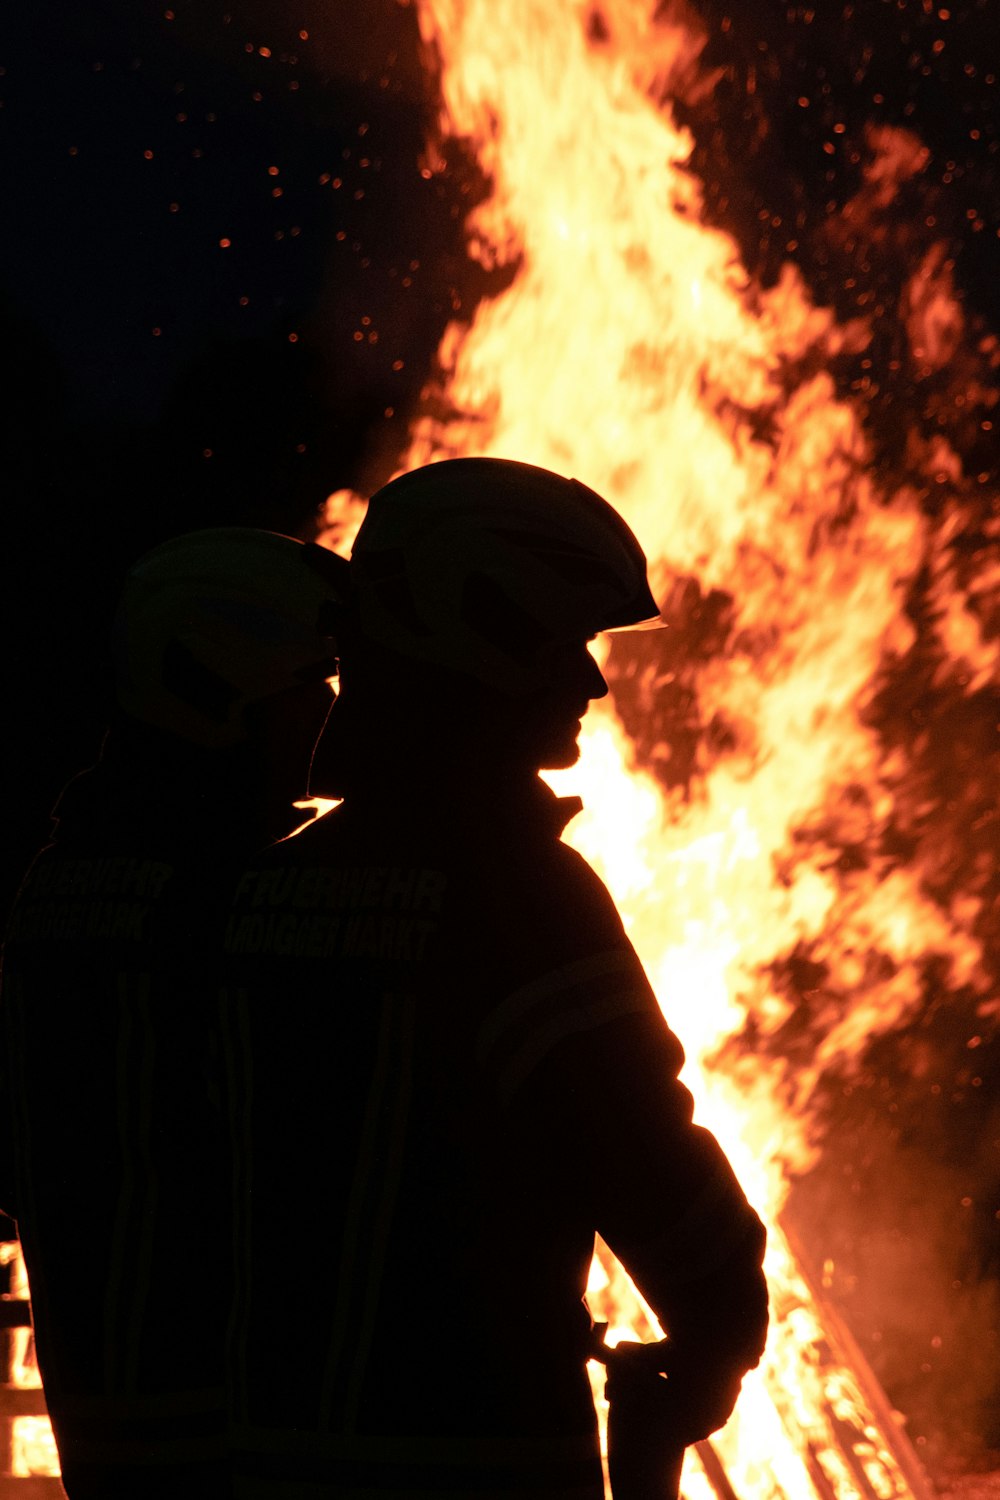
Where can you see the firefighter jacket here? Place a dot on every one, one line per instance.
(448, 1071)
(115, 1171)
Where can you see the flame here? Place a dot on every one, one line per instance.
(32, 1449)
(631, 349)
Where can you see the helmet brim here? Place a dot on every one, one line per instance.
(654, 622)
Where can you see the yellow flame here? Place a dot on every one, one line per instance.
(631, 351)
(32, 1444)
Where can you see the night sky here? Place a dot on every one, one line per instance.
(222, 279)
(225, 268)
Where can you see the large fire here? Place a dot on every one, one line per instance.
(631, 351)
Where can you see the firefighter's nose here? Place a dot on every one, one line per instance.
(593, 678)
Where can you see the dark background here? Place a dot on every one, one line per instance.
(224, 272)
(222, 281)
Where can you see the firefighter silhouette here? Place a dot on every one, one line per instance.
(117, 1171)
(447, 1067)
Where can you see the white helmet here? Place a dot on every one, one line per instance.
(213, 621)
(476, 563)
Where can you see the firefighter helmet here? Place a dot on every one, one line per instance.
(213, 621)
(477, 563)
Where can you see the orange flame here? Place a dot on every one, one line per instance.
(631, 350)
(32, 1448)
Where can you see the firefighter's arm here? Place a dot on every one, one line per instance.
(702, 1276)
(581, 1056)
(618, 1121)
(671, 1209)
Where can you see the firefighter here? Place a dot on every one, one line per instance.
(118, 1170)
(454, 1070)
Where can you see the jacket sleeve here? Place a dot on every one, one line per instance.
(584, 1050)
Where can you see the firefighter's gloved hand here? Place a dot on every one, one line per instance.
(693, 1390)
(706, 1388)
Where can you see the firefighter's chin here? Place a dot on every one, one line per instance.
(562, 750)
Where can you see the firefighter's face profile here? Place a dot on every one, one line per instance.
(391, 713)
(551, 716)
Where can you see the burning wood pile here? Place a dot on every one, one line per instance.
(824, 1432)
(28, 1461)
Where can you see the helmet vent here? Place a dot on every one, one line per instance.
(384, 573)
